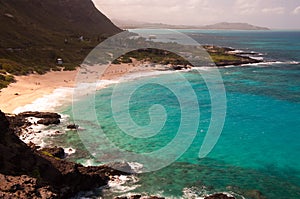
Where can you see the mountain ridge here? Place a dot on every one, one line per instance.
(131, 24)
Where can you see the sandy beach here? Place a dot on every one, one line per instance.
(29, 88)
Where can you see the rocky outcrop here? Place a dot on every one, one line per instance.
(49, 121)
(39, 115)
(223, 56)
(219, 196)
(27, 173)
(213, 196)
(57, 152)
(23, 187)
(139, 197)
(72, 126)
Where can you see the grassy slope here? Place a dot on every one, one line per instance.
(33, 33)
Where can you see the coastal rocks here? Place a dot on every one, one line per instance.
(72, 127)
(223, 56)
(40, 115)
(219, 196)
(241, 61)
(49, 121)
(46, 117)
(23, 187)
(4, 124)
(121, 166)
(42, 175)
(57, 152)
(139, 197)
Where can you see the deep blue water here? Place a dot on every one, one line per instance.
(259, 147)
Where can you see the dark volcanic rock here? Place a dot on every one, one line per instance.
(219, 196)
(57, 152)
(23, 187)
(4, 124)
(40, 175)
(72, 126)
(49, 121)
(121, 166)
(139, 197)
(243, 60)
(46, 117)
(40, 115)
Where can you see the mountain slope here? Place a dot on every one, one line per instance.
(36, 32)
(234, 26)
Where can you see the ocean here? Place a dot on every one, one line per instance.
(255, 156)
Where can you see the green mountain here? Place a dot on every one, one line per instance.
(34, 33)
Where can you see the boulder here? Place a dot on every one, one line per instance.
(139, 197)
(49, 121)
(121, 166)
(219, 196)
(39, 114)
(57, 152)
(72, 126)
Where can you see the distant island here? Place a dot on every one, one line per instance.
(129, 24)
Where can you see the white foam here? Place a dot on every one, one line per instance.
(117, 183)
(136, 167)
(138, 75)
(36, 134)
(257, 58)
(48, 102)
(236, 51)
(294, 62)
(201, 193)
(89, 162)
(69, 151)
(193, 192)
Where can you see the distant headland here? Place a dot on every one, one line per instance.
(129, 24)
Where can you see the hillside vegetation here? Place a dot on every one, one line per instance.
(34, 33)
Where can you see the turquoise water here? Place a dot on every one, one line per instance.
(259, 147)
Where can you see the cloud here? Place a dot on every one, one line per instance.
(277, 10)
(296, 11)
(270, 13)
(246, 7)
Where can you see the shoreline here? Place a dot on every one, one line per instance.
(51, 90)
(29, 88)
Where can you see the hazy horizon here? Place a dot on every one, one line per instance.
(275, 14)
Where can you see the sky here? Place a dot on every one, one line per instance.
(277, 14)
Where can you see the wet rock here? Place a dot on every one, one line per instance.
(219, 196)
(27, 173)
(72, 126)
(49, 121)
(57, 152)
(121, 166)
(33, 146)
(40, 115)
(139, 197)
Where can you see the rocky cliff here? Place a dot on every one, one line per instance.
(27, 173)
